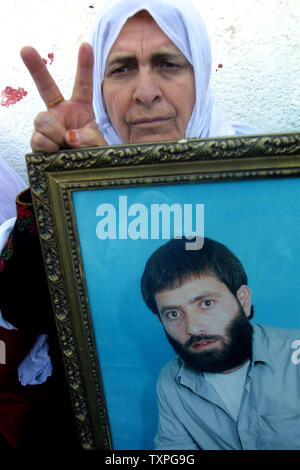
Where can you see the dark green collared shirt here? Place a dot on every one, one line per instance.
(193, 416)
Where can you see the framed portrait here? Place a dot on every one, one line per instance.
(101, 213)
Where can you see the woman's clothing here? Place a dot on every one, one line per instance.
(31, 416)
(10, 186)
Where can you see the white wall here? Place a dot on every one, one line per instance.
(256, 41)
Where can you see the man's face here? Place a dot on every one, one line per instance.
(149, 86)
(206, 324)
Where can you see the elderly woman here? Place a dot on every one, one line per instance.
(149, 82)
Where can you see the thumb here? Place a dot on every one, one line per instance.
(85, 137)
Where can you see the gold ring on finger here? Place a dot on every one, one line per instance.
(55, 102)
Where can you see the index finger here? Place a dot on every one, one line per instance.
(45, 84)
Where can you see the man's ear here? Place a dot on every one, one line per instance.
(244, 296)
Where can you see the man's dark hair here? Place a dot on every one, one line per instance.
(172, 264)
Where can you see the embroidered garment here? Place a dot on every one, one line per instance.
(36, 366)
(22, 250)
(21, 364)
(25, 306)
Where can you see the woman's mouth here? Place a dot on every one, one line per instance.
(146, 122)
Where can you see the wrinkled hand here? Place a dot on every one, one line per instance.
(69, 123)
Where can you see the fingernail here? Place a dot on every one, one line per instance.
(73, 136)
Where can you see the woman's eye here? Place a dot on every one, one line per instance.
(169, 65)
(119, 70)
(124, 70)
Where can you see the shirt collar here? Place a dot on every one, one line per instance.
(260, 349)
(187, 376)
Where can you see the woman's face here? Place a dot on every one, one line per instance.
(149, 86)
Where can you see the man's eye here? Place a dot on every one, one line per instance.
(173, 315)
(207, 303)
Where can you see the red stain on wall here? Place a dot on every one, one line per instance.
(12, 96)
(50, 57)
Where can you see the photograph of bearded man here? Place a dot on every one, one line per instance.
(231, 385)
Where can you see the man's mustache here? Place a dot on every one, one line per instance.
(198, 338)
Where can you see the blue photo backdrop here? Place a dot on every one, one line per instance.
(257, 220)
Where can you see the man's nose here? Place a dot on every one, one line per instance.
(194, 324)
(147, 90)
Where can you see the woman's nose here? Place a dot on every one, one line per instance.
(147, 90)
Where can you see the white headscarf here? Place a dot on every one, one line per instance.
(10, 186)
(182, 23)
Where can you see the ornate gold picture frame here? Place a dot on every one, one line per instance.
(248, 190)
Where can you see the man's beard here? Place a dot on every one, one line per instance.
(237, 347)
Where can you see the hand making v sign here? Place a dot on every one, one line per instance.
(65, 123)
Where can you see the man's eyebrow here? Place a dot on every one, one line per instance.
(192, 300)
(204, 295)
